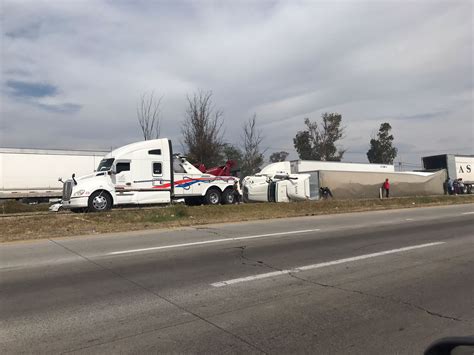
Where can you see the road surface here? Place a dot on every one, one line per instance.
(359, 283)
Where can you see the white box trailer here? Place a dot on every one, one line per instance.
(456, 166)
(32, 174)
(305, 166)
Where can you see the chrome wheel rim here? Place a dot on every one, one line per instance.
(214, 198)
(99, 202)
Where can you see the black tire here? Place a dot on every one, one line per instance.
(100, 201)
(213, 197)
(228, 197)
(193, 201)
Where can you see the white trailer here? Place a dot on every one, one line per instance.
(457, 167)
(305, 166)
(145, 173)
(32, 174)
(465, 168)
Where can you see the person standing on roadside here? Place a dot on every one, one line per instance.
(450, 186)
(237, 193)
(456, 186)
(386, 187)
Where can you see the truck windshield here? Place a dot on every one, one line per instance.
(105, 164)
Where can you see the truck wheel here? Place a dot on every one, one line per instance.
(213, 197)
(228, 197)
(100, 201)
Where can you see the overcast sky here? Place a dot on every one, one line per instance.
(72, 71)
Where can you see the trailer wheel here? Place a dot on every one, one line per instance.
(228, 197)
(213, 196)
(100, 201)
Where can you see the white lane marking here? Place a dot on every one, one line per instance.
(320, 265)
(211, 241)
(409, 219)
(468, 213)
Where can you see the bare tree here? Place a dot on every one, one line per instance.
(252, 138)
(201, 130)
(149, 115)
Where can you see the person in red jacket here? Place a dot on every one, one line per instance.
(386, 187)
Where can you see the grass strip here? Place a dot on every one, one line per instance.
(52, 225)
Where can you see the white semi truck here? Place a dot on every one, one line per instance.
(31, 175)
(145, 173)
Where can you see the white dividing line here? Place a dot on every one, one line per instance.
(212, 241)
(468, 213)
(320, 265)
(409, 219)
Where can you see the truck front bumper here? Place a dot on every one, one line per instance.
(76, 202)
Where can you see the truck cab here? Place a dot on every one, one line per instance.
(144, 173)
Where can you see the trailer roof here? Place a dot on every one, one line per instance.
(443, 155)
(53, 151)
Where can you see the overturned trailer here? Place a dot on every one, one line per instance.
(301, 180)
(356, 184)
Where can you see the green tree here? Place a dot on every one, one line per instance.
(278, 156)
(302, 143)
(231, 152)
(201, 130)
(318, 141)
(252, 156)
(381, 149)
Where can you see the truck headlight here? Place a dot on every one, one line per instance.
(79, 193)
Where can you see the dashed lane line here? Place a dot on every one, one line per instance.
(321, 265)
(213, 241)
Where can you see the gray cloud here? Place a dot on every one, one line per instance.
(410, 64)
(30, 31)
(66, 108)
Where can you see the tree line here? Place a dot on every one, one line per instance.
(204, 143)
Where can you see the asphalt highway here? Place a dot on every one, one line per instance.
(381, 282)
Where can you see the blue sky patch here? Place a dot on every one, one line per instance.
(28, 90)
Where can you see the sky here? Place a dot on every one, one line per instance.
(72, 71)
